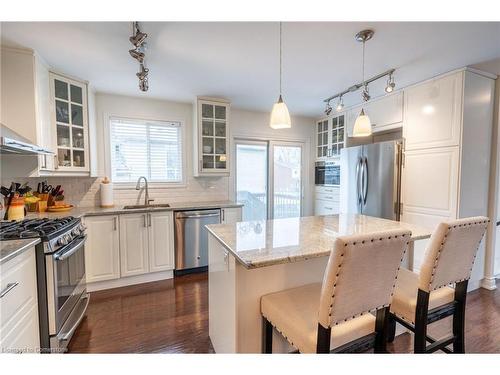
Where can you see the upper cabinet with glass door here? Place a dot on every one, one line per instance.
(212, 137)
(337, 139)
(322, 131)
(71, 123)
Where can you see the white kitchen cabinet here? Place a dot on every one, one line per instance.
(446, 162)
(211, 137)
(230, 215)
(102, 248)
(327, 200)
(433, 113)
(70, 123)
(322, 141)
(161, 240)
(385, 113)
(19, 325)
(134, 252)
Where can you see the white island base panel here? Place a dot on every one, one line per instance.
(234, 292)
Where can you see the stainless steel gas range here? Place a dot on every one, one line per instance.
(60, 258)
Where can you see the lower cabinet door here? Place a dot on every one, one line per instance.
(134, 255)
(231, 215)
(161, 241)
(326, 207)
(102, 248)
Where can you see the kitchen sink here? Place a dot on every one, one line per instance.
(139, 206)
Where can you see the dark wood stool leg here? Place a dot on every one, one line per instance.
(391, 328)
(459, 317)
(381, 326)
(323, 341)
(267, 336)
(420, 342)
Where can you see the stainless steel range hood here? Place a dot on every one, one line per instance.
(13, 143)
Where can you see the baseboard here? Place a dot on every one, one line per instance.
(131, 280)
(489, 283)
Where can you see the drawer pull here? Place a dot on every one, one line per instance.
(8, 288)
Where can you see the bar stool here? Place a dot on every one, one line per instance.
(359, 279)
(421, 299)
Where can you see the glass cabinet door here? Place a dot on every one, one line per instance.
(322, 141)
(70, 123)
(337, 134)
(213, 136)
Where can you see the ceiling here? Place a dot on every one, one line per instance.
(240, 61)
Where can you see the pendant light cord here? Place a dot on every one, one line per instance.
(363, 70)
(281, 64)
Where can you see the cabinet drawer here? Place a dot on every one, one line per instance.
(23, 295)
(322, 207)
(24, 336)
(330, 197)
(327, 189)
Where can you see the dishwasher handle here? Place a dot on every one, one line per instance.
(196, 214)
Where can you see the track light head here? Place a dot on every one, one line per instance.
(143, 85)
(328, 109)
(366, 96)
(340, 105)
(390, 84)
(138, 39)
(136, 54)
(143, 74)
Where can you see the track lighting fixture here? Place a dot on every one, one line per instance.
(138, 39)
(340, 104)
(390, 84)
(365, 95)
(362, 126)
(328, 109)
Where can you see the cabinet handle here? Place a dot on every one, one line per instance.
(149, 219)
(145, 222)
(223, 216)
(8, 288)
(115, 224)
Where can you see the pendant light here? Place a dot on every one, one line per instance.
(363, 126)
(280, 118)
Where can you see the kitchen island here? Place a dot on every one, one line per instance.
(250, 259)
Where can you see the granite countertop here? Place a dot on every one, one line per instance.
(11, 249)
(98, 211)
(264, 243)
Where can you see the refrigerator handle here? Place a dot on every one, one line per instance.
(358, 188)
(365, 180)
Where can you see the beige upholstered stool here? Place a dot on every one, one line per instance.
(359, 279)
(421, 299)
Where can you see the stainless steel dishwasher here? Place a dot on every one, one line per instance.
(191, 239)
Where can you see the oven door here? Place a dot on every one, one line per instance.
(319, 174)
(332, 175)
(65, 282)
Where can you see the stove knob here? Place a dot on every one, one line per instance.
(76, 231)
(62, 241)
(68, 238)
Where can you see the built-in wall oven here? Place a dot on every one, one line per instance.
(327, 173)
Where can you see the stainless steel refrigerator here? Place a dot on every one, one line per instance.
(370, 179)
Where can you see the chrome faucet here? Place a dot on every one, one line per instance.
(147, 201)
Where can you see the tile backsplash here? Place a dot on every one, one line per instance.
(84, 191)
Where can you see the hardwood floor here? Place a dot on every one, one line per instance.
(171, 316)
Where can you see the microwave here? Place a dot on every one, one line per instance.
(327, 173)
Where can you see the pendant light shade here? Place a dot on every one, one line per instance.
(362, 126)
(280, 117)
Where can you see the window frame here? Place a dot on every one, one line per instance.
(151, 184)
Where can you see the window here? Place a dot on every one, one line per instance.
(146, 148)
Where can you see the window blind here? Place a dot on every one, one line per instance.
(146, 148)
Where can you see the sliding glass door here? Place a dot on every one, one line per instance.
(269, 179)
(287, 180)
(252, 179)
